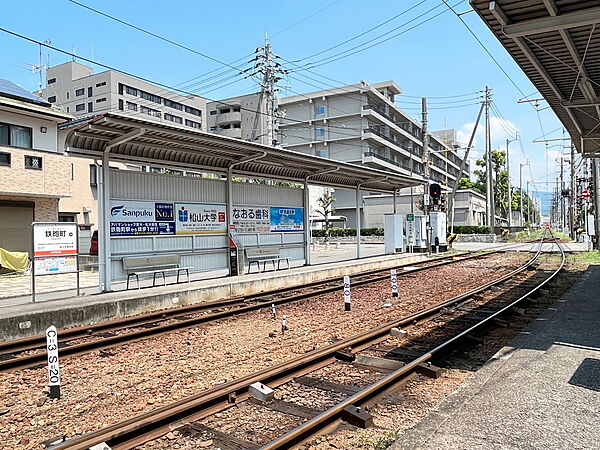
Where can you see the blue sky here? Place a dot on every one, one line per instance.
(437, 59)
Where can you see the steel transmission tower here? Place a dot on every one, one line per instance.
(271, 71)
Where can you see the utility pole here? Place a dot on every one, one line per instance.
(426, 173)
(521, 165)
(527, 204)
(270, 71)
(508, 141)
(573, 195)
(488, 163)
(463, 165)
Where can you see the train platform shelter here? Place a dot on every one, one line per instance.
(207, 191)
(542, 391)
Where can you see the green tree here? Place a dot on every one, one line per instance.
(325, 208)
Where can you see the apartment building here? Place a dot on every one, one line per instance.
(361, 124)
(77, 90)
(34, 175)
(242, 117)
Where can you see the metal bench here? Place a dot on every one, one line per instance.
(265, 255)
(143, 265)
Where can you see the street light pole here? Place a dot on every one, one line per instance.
(521, 165)
(508, 141)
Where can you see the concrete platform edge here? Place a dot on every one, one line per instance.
(33, 318)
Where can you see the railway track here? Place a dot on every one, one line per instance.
(187, 412)
(28, 352)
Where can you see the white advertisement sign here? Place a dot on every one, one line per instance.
(200, 218)
(128, 211)
(411, 233)
(51, 239)
(60, 264)
(251, 219)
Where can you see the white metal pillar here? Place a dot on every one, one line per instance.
(307, 230)
(105, 225)
(395, 206)
(358, 224)
(229, 209)
(101, 241)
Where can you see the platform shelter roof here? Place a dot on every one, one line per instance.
(557, 44)
(132, 140)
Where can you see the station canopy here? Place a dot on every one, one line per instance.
(557, 44)
(131, 140)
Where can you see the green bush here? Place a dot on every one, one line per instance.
(346, 232)
(472, 229)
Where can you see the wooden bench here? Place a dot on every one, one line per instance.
(159, 264)
(265, 254)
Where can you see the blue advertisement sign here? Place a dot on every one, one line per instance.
(286, 219)
(138, 218)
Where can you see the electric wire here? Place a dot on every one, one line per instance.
(305, 18)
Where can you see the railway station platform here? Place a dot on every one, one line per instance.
(19, 317)
(542, 391)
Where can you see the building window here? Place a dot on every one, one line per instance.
(194, 111)
(173, 118)
(52, 99)
(148, 96)
(90, 107)
(52, 80)
(172, 104)
(319, 110)
(101, 84)
(320, 132)
(214, 128)
(90, 91)
(236, 109)
(4, 159)
(150, 111)
(224, 110)
(214, 113)
(131, 91)
(80, 107)
(66, 218)
(322, 152)
(191, 123)
(15, 135)
(99, 100)
(131, 106)
(33, 162)
(67, 95)
(120, 105)
(79, 92)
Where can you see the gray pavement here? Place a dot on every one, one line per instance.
(540, 392)
(15, 289)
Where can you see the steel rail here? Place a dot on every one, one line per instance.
(39, 341)
(153, 424)
(313, 426)
(30, 360)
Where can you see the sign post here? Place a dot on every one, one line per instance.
(346, 293)
(394, 281)
(53, 366)
(410, 232)
(55, 250)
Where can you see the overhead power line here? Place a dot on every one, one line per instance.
(157, 36)
(305, 18)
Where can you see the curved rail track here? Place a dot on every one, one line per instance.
(21, 353)
(153, 424)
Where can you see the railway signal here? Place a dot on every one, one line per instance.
(435, 190)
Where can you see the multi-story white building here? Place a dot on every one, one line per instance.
(79, 91)
(360, 123)
(242, 117)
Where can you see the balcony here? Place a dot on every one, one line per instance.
(233, 116)
(390, 156)
(391, 139)
(406, 125)
(230, 132)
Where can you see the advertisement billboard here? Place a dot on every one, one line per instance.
(133, 218)
(200, 218)
(284, 219)
(251, 219)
